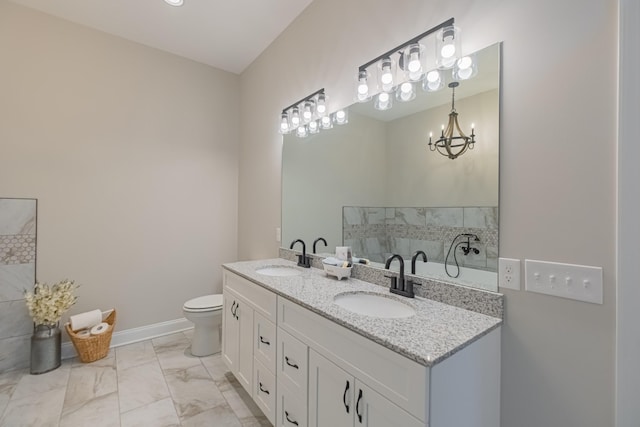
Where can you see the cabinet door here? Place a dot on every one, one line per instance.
(230, 331)
(331, 394)
(374, 410)
(244, 316)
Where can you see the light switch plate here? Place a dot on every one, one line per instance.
(509, 273)
(578, 282)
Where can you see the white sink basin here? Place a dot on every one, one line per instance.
(279, 271)
(374, 305)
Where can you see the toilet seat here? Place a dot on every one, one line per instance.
(204, 303)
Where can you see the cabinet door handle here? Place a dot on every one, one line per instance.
(344, 397)
(358, 406)
(293, 365)
(286, 414)
(263, 341)
(265, 391)
(233, 313)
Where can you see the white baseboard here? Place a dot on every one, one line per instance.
(133, 335)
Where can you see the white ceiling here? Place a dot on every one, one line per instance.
(226, 34)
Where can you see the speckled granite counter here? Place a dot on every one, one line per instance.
(436, 331)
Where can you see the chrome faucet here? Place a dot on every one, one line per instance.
(319, 239)
(303, 260)
(398, 285)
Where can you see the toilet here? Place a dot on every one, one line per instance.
(206, 314)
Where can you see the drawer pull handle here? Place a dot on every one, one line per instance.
(293, 365)
(358, 407)
(263, 341)
(286, 414)
(344, 397)
(263, 390)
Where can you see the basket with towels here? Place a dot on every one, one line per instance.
(90, 334)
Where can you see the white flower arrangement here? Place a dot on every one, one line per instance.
(47, 304)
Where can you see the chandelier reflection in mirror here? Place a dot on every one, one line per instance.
(309, 116)
(448, 144)
(407, 68)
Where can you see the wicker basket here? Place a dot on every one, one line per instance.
(94, 347)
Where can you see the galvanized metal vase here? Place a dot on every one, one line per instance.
(45, 348)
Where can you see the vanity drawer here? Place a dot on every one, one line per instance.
(292, 411)
(293, 364)
(264, 390)
(264, 342)
(262, 300)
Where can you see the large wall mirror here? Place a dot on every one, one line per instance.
(374, 184)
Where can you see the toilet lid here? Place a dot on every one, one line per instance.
(205, 302)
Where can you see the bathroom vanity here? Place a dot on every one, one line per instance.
(309, 361)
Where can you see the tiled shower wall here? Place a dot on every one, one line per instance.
(377, 232)
(17, 273)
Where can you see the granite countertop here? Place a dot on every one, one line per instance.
(435, 332)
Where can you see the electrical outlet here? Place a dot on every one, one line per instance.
(278, 234)
(509, 273)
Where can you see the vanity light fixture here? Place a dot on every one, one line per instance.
(174, 2)
(448, 144)
(412, 60)
(310, 115)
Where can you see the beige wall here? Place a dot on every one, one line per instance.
(557, 195)
(132, 155)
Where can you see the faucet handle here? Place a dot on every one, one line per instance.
(394, 281)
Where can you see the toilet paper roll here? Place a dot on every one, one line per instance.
(100, 328)
(83, 333)
(85, 320)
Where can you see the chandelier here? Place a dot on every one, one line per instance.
(448, 144)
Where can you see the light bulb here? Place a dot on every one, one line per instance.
(387, 77)
(295, 117)
(433, 76)
(340, 117)
(313, 127)
(406, 92)
(363, 88)
(464, 63)
(465, 73)
(307, 111)
(301, 132)
(448, 50)
(325, 122)
(284, 123)
(386, 74)
(321, 106)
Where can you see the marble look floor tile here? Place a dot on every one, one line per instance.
(20, 411)
(239, 400)
(135, 354)
(101, 411)
(260, 421)
(174, 352)
(193, 391)
(140, 385)
(220, 416)
(91, 380)
(216, 368)
(157, 414)
(30, 385)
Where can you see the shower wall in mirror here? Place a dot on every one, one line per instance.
(375, 185)
(17, 273)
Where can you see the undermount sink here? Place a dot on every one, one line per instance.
(281, 271)
(374, 305)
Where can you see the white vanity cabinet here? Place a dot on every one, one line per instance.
(249, 339)
(304, 370)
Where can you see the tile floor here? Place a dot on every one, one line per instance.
(153, 383)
